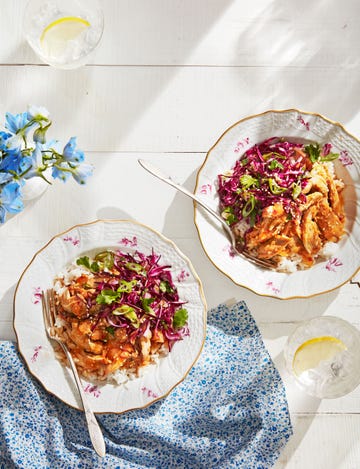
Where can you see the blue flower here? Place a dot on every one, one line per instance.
(11, 161)
(4, 136)
(71, 153)
(14, 143)
(82, 172)
(59, 173)
(5, 177)
(10, 199)
(16, 122)
(22, 157)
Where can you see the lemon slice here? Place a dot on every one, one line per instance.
(315, 350)
(56, 35)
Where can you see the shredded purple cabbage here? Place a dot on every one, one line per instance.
(137, 293)
(270, 172)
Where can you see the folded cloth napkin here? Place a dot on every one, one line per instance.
(230, 411)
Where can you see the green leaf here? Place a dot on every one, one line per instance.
(229, 216)
(106, 297)
(180, 318)
(95, 267)
(146, 302)
(83, 261)
(313, 151)
(275, 164)
(247, 181)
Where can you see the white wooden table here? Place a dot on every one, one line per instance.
(167, 79)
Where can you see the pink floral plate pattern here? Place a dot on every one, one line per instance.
(157, 380)
(299, 126)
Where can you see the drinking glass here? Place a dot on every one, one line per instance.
(323, 356)
(63, 33)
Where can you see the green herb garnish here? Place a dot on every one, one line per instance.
(110, 330)
(275, 164)
(107, 297)
(180, 318)
(85, 261)
(146, 302)
(247, 181)
(229, 216)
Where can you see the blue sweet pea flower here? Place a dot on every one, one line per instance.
(10, 199)
(82, 172)
(71, 153)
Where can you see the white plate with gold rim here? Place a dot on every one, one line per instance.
(295, 125)
(157, 380)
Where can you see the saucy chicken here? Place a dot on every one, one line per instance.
(118, 314)
(283, 201)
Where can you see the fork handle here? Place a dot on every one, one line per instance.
(95, 432)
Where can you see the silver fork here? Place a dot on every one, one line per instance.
(49, 314)
(266, 264)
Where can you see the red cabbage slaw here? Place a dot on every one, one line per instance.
(137, 293)
(275, 170)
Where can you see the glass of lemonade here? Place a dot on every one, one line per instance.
(323, 355)
(63, 33)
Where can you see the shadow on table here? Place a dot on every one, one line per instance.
(112, 213)
(311, 50)
(134, 41)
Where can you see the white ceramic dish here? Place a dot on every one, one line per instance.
(157, 380)
(299, 126)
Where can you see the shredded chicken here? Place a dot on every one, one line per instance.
(321, 219)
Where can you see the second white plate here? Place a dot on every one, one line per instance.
(294, 124)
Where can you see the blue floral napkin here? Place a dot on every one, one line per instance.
(230, 412)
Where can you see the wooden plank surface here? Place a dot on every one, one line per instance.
(167, 79)
(167, 109)
(255, 33)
